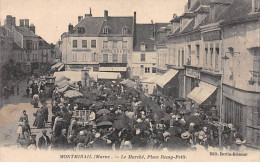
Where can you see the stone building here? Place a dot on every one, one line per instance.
(104, 44)
(214, 48)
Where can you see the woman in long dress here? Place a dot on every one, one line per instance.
(39, 120)
(20, 128)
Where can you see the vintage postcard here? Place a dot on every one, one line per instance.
(129, 80)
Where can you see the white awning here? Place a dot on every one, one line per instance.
(164, 79)
(151, 79)
(115, 69)
(57, 65)
(60, 67)
(105, 75)
(201, 93)
(74, 76)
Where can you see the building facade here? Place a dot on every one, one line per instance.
(144, 53)
(103, 43)
(214, 46)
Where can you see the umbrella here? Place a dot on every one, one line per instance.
(121, 101)
(72, 93)
(119, 124)
(179, 99)
(193, 119)
(142, 126)
(62, 84)
(104, 123)
(105, 118)
(184, 111)
(109, 102)
(103, 111)
(166, 117)
(174, 130)
(175, 143)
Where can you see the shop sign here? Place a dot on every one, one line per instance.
(116, 51)
(212, 36)
(194, 37)
(81, 50)
(115, 38)
(192, 73)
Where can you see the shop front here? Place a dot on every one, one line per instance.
(242, 109)
(171, 83)
(206, 92)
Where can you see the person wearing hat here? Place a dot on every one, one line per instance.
(44, 141)
(63, 141)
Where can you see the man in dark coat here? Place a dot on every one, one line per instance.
(45, 112)
(63, 141)
(44, 141)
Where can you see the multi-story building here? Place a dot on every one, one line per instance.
(103, 43)
(214, 55)
(144, 53)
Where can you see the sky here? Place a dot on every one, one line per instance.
(52, 17)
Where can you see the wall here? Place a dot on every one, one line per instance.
(240, 37)
(150, 62)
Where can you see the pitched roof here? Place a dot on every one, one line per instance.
(144, 34)
(92, 25)
(238, 10)
(189, 27)
(116, 25)
(25, 31)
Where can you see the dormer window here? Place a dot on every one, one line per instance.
(81, 30)
(255, 5)
(142, 46)
(106, 30)
(125, 30)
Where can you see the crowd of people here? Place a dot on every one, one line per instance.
(117, 117)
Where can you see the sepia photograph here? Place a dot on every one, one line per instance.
(130, 80)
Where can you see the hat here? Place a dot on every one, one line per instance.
(44, 131)
(81, 133)
(185, 135)
(182, 121)
(201, 135)
(109, 141)
(174, 116)
(196, 114)
(192, 124)
(238, 141)
(230, 125)
(165, 134)
(138, 131)
(127, 143)
(97, 135)
(139, 120)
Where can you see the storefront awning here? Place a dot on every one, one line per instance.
(151, 80)
(201, 93)
(57, 65)
(164, 79)
(61, 67)
(112, 69)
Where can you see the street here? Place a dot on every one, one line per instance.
(10, 114)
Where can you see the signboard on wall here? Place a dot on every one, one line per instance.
(193, 73)
(115, 51)
(212, 35)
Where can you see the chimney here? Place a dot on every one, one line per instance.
(70, 28)
(90, 13)
(135, 17)
(22, 22)
(8, 21)
(80, 18)
(175, 22)
(13, 21)
(106, 14)
(26, 23)
(32, 28)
